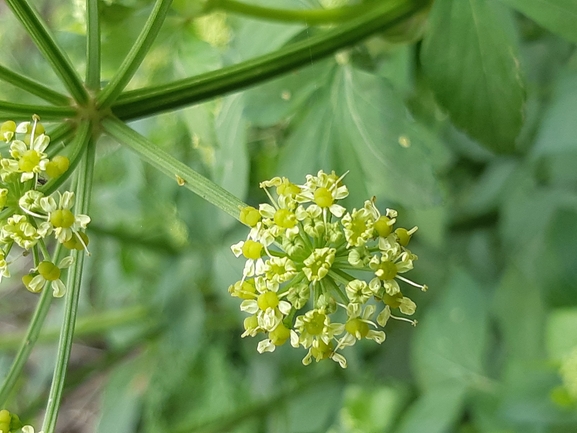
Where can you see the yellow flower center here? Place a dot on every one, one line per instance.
(267, 300)
(251, 249)
(357, 326)
(382, 226)
(386, 271)
(29, 161)
(316, 324)
(62, 218)
(49, 271)
(279, 335)
(323, 197)
(285, 218)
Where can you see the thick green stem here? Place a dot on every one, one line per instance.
(83, 188)
(180, 172)
(136, 54)
(152, 100)
(308, 16)
(33, 87)
(92, 45)
(23, 111)
(49, 48)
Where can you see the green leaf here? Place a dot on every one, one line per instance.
(394, 152)
(558, 16)
(470, 57)
(435, 411)
(558, 130)
(520, 314)
(232, 165)
(561, 337)
(451, 341)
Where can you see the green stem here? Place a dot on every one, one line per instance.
(308, 16)
(153, 100)
(136, 55)
(49, 48)
(27, 345)
(172, 167)
(92, 46)
(23, 111)
(73, 283)
(95, 324)
(33, 87)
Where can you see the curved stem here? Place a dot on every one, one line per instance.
(172, 167)
(22, 111)
(136, 55)
(33, 87)
(153, 100)
(308, 16)
(49, 48)
(73, 283)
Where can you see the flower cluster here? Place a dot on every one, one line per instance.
(318, 275)
(10, 422)
(28, 216)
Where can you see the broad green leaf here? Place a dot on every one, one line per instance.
(231, 160)
(371, 409)
(275, 100)
(394, 152)
(558, 16)
(561, 335)
(451, 341)
(435, 411)
(122, 398)
(470, 57)
(310, 147)
(558, 131)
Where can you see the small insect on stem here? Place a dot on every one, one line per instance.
(179, 180)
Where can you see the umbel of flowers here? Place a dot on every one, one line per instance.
(319, 275)
(31, 220)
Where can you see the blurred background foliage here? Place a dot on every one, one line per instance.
(463, 118)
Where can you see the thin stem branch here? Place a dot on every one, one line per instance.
(27, 345)
(22, 111)
(73, 284)
(175, 169)
(41, 36)
(92, 45)
(33, 87)
(136, 54)
(308, 16)
(153, 100)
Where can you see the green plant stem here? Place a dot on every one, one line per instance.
(135, 56)
(308, 16)
(153, 100)
(33, 87)
(95, 324)
(27, 345)
(23, 111)
(73, 283)
(92, 46)
(175, 169)
(49, 48)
